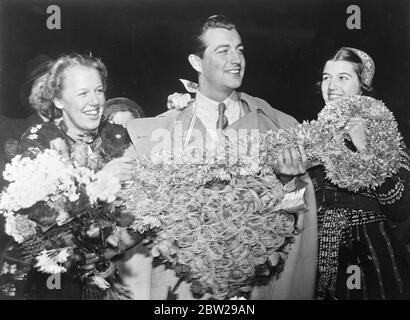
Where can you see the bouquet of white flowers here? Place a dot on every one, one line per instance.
(59, 209)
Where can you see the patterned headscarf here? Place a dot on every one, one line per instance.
(368, 69)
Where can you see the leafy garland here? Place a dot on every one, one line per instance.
(324, 141)
(220, 225)
(219, 230)
(357, 170)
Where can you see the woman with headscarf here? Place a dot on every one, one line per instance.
(359, 255)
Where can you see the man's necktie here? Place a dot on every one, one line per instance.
(222, 122)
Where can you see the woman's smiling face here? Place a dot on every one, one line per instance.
(82, 98)
(339, 79)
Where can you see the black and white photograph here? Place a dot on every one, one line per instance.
(219, 150)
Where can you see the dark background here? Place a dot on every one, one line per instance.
(144, 45)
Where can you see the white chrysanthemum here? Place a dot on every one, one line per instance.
(105, 188)
(84, 175)
(146, 223)
(139, 204)
(34, 180)
(50, 261)
(20, 227)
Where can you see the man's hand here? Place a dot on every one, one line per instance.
(178, 101)
(292, 162)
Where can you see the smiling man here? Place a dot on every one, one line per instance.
(218, 109)
(218, 58)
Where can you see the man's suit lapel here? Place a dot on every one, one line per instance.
(254, 118)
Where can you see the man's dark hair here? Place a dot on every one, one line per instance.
(213, 22)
